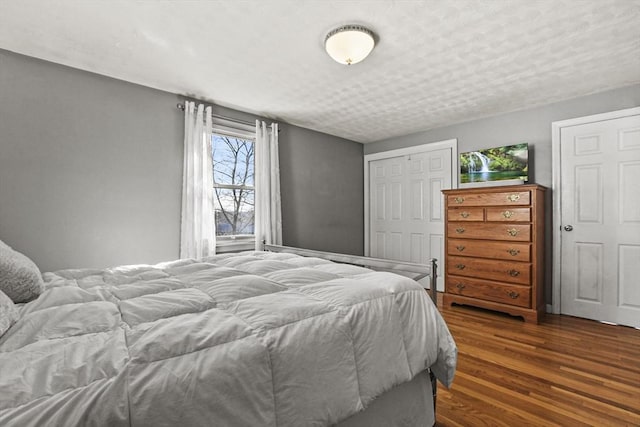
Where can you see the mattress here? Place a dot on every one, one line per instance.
(249, 339)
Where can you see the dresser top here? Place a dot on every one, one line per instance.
(496, 189)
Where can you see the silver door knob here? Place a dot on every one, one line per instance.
(568, 227)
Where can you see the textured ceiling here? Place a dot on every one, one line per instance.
(436, 63)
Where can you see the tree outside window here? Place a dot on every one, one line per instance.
(233, 180)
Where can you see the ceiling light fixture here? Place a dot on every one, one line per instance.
(349, 44)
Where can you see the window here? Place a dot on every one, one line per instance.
(233, 181)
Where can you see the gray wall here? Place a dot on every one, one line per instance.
(322, 191)
(90, 167)
(91, 171)
(532, 126)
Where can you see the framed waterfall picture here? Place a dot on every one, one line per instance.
(506, 165)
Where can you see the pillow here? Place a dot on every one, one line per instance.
(20, 278)
(8, 313)
(4, 245)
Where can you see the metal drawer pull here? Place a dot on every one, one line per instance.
(464, 214)
(459, 199)
(460, 286)
(513, 197)
(513, 252)
(514, 273)
(460, 266)
(460, 230)
(514, 294)
(460, 248)
(507, 214)
(512, 232)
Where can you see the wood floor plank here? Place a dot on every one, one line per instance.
(564, 371)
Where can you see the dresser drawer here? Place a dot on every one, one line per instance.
(489, 231)
(465, 214)
(508, 214)
(490, 291)
(482, 249)
(510, 198)
(512, 272)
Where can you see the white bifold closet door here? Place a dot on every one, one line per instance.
(406, 206)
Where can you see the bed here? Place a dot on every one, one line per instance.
(267, 338)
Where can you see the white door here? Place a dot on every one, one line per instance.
(388, 195)
(600, 220)
(406, 206)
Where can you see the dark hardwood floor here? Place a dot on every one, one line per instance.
(564, 371)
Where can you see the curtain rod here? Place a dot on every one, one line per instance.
(242, 122)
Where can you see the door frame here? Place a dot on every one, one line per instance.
(433, 146)
(556, 167)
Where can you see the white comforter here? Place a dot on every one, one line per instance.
(253, 339)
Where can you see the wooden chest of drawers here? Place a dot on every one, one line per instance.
(494, 246)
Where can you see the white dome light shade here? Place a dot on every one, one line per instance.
(349, 44)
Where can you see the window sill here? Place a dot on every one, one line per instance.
(230, 245)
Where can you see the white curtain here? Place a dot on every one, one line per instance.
(268, 212)
(197, 228)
